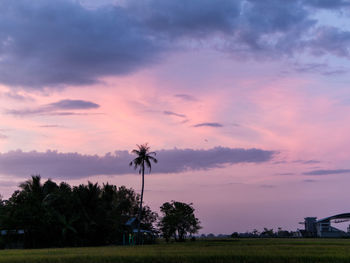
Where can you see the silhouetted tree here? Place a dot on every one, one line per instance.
(267, 232)
(255, 232)
(54, 215)
(144, 158)
(178, 220)
(234, 235)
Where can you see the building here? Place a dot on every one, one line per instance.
(323, 227)
(130, 233)
(12, 238)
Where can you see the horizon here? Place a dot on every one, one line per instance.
(245, 102)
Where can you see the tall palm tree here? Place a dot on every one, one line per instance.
(143, 159)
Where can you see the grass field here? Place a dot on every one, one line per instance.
(230, 250)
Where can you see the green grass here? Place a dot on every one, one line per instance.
(216, 251)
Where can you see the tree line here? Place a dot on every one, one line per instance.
(54, 215)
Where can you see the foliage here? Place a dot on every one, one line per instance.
(60, 215)
(178, 220)
(210, 251)
(234, 235)
(283, 233)
(144, 158)
(267, 232)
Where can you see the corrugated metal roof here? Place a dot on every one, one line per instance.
(339, 216)
(130, 221)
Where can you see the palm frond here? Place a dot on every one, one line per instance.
(153, 159)
(135, 152)
(148, 164)
(144, 157)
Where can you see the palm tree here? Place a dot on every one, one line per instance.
(144, 158)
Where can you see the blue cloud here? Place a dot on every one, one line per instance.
(328, 4)
(54, 43)
(59, 43)
(73, 104)
(57, 108)
(185, 97)
(327, 172)
(209, 124)
(174, 114)
(74, 165)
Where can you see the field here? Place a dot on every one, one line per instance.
(230, 250)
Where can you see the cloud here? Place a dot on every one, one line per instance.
(73, 105)
(209, 124)
(55, 108)
(17, 96)
(306, 161)
(272, 27)
(268, 186)
(59, 43)
(45, 43)
(280, 162)
(310, 162)
(285, 173)
(328, 4)
(318, 68)
(327, 172)
(263, 29)
(185, 97)
(309, 181)
(196, 18)
(3, 137)
(74, 165)
(330, 40)
(253, 27)
(174, 114)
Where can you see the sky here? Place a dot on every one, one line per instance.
(246, 102)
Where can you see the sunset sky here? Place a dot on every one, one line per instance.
(246, 102)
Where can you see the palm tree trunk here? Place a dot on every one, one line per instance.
(140, 209)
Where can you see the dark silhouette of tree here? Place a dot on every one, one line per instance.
(234, 235)
(53, 215)
(144, 158)
(178, 220)
(267, 232)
